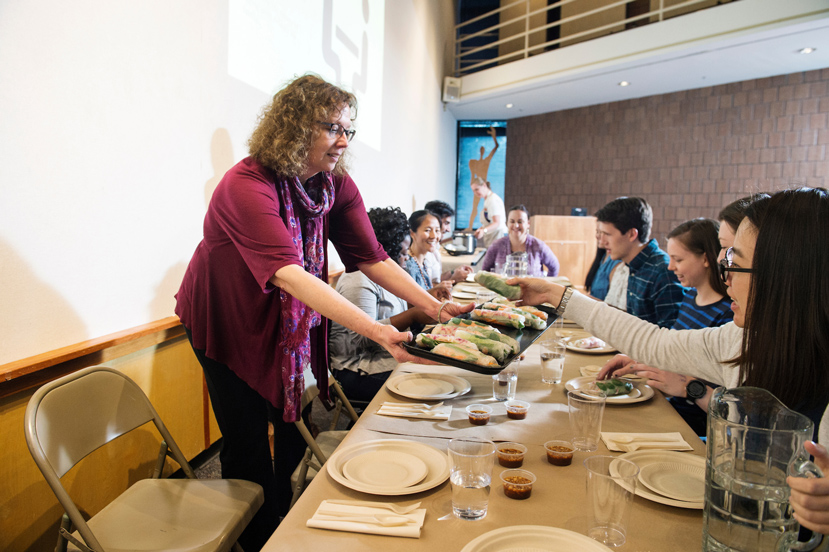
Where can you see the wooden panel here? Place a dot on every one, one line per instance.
(599, 19)
(572, 239)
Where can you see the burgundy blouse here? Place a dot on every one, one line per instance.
(225, 299)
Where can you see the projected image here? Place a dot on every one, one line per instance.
(271, 41)
(479, 154)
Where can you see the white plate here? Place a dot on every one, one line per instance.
(437, 463)
(643, 458)
(675, 480)
(458, 294)
(469, 288)
(571, 346)
(428, 386)
(641, 392)
(533, 538)
(386, 468)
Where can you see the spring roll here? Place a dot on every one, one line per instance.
(497, 350)
(532, 320)
(430, 341)
(502, 318)
(498, 285)
(466, 355)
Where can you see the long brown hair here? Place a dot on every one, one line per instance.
(287, 127)
(786, 340)
(699, 236)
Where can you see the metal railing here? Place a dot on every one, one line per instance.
(480, 49)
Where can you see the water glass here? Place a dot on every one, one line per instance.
(586, 411)
(470, 474)
(484, 296)
(516, 265)
(505, 382)
(500, 269)
(552, 360)
(611, 484)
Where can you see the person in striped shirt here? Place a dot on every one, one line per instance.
(693, 250)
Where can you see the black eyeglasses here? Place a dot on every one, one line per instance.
(335, 129)
(727, 265)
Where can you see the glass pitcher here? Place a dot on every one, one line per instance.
(754, 442)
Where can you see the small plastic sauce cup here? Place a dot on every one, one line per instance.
(478, 414)
(511, 455)
(517, 410)
(559, 453)
(518, 484)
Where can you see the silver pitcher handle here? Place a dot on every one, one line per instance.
(806, 468)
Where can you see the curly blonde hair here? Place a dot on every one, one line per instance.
(287, 127)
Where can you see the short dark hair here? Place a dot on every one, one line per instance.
(734, 213)
(628, 212)
(416, 218)
(520, 207)
(699, 236)
(390, 227)
(440, 208)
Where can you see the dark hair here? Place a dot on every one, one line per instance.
(786, 342)
(416, 219)
(628, 212)
(594, 268)
(733, 213)
(440, 208)
(390, 227)
(286, 128)
(699, 236)
(520, 207)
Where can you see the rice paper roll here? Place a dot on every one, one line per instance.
(461, 353)
(430, 341)
(500, 317)
(497, 350)
(497, 284)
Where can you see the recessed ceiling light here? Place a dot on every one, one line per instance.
(509, 106)
(806, 50)
(624, 83)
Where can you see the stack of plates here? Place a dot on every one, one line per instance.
(466, 290)
(672, 478)
(389, 467)
(426, 387)
(641, 391)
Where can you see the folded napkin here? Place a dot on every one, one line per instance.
(338, 515)
(629, 442)
(410, 410)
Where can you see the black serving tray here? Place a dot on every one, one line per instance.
(525, 337)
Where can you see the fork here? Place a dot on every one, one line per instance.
(412, 406)
(401, 510)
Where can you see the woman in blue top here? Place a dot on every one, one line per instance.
(693, 249)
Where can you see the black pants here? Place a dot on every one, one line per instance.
(243, 416)
(360, 387)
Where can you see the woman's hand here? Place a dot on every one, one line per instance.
(535, 291)
(810, 497)
(460, 273)
(450, 310)
(616, 366)
(391, 340)
(442, 291)
(669, 383)
(479, 233)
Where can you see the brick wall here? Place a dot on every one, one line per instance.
(688, 153)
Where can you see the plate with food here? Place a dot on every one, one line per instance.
(590, 345)
(618, 391)
(485, 340)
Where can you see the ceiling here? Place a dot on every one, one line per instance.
(693, 51)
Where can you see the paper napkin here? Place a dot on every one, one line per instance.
(629, 442)
(337, 520)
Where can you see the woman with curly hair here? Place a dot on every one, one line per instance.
(359, 364)
(254, 299)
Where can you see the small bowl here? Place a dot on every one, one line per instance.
(559, 453)
(478, 413)
(511, 455)
(517, 410)
(518, 484)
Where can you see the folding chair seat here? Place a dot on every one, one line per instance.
(73, 416)
(321, 448)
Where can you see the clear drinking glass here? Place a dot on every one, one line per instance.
(552, 360)
(611, 484)
(470, 474)
(586, 413)
(505, 382)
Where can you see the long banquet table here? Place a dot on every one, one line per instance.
(558, 497)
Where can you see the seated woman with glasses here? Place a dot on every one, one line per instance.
(776, 277)
(540, 259)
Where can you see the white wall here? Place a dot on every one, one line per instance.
(119, 118)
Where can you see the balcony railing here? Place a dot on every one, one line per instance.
(530, 27)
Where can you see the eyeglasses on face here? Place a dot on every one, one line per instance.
(727, 265)
(336, 129)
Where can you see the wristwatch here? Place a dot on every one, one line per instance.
(696, 389)
(562, 306)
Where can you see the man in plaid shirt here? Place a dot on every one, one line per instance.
(653, 292)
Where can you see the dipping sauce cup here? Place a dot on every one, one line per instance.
(518, 484)
(511, 455)
(478, 414)
(517, 410)
(559, 453)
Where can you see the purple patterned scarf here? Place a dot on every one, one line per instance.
(297, 318)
